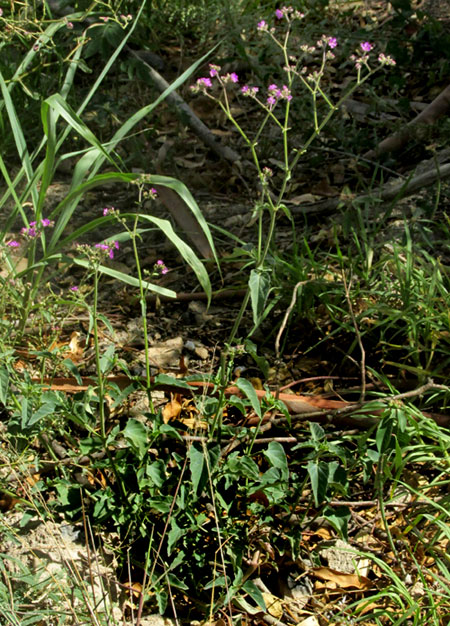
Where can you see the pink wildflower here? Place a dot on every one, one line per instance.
(332, 42)
(204, 82)
(366, 46)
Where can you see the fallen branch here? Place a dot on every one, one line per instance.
(312, 408)
(436, 109)
(184, 111)
(386, 193)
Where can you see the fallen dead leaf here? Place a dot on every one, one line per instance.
(309, 621)
(172, 410)
(274, 605)
(344, 581)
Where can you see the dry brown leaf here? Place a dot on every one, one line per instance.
(304, 198)
(345, 581)
(172, 410)
(309, 621)
(274, 605)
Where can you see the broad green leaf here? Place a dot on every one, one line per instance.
(107, 358)
(318, 474)
(198, 467)
(317, 432)
(201, 462)
(338, 517)
(242, 466)
(157, 472)
(259, 285)
(277, 456)
(175, 533)
(73, 369)
(260, 361)
(33, 417)
(166, 379)
(256, 595)
(249, 392)
(137, 435)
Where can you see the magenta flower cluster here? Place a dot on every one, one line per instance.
(161, 267)
(332, 42)
(33, 229)
(246, 90)
(108, 248)
(31, 232)
(275, 94)
(109, 210)
(204, 83)
(285, 12)
(363, 59)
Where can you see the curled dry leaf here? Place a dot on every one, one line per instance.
(343, 581)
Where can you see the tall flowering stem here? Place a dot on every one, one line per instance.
(134, 235)
(296, 70)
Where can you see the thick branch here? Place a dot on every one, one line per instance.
(188, 116)
(385, 193)
(428, 116)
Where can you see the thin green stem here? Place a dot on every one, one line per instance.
(143, 302)
(100, 385)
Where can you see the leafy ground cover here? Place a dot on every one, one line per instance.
(224, 376)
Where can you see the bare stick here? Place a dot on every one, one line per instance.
(436, 109)
(287, 315)
(386, 193)
(184, 110)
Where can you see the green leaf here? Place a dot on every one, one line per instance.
(175, 533)
(73, 369)
(107, 358)
(129, 280)
(260, 361)
(157, 472)
(186, 251)
(317, 432)
(202, 461)
(137, 435)
(198, 467)
(259, 285)
(249, 392)
(383, 437)
(256, 595)
(58, 104)
(277, 456)
(166, 379)
(29, 418)
(338, 517)
(318, 474)
(4, 384)
(242, 466)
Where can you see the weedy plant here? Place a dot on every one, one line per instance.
(204, 520)
(31, 184)
(309, 70)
